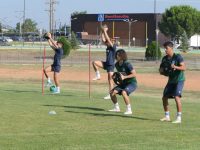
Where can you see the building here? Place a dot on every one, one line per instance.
(130, 29)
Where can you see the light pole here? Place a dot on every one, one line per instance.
(129, 30)
(157, 32)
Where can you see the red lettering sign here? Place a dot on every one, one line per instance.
(116, 17)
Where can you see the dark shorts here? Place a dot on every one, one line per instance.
(108, 68)
(173, 89)
(129, 88)
(55, 68)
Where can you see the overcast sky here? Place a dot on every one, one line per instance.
(11, 11)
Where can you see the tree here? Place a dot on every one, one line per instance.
(151, 53)
(74, 41)
(184, 42)
(178, 19)
(28, 26)
(18, 27)
(76, 13)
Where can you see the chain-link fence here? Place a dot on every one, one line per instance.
(81, 56)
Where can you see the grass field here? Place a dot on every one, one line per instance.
(85, 124)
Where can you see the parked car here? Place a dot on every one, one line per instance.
(17, 38)
(4, 43)
(6, 38)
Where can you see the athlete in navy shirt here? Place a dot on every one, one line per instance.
(56, 66)
(109, 64)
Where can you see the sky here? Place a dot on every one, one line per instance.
(11, 11)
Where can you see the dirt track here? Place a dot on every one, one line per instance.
(70, 74)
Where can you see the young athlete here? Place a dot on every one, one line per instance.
(175, 82)
(108, 65)
(129, 84)
(56, 66)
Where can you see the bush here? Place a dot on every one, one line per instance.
(150, 53)
(74, 41)
(66, 46)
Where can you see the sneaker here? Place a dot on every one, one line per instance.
(48, 84)
(177, 121)
(165, 119)
(114, 110)
(107, 97)
(128, 112)
(56, 92)
(96, 78)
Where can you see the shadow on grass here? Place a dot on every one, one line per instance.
(20, 91)
(77, 107)
(110, 115)
(33, 91)
(100, 114)
(58, 94)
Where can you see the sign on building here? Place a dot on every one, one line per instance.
(100, 17)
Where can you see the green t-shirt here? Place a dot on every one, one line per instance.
(125, 68)
(176, 75)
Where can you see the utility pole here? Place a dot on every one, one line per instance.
(51, 11)
(157, 30)
(24, 16)
(24, 12)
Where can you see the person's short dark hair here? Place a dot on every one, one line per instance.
(122, 54)
(168, 44)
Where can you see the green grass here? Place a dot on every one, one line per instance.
(85, 124)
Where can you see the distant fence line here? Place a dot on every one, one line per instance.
(36, 57)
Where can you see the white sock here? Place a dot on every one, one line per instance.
(97, 74)
(116, 105)
(167, 114)
(128, 107)
(179, 115)
(58, 88)
(49, 80)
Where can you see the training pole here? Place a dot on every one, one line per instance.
(44, 58)
(89, 61)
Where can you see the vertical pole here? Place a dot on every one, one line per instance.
(44, 58)
(146, 35)
(89, 61)
(155, 7)
(129, 35)
(113, 29)
(24, 13)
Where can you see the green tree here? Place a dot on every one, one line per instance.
(178, 19)
(151, 53)
(28, 26)
(74, 41)
(184, 42)
(76, 13)
(17, 27)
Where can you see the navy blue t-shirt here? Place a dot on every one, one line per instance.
(110, 55)
(57, 57)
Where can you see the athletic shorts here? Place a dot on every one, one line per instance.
(173, 89)
(108, 68)
(55, 68)
(129, 88)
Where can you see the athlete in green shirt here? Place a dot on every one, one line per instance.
(175, 82)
